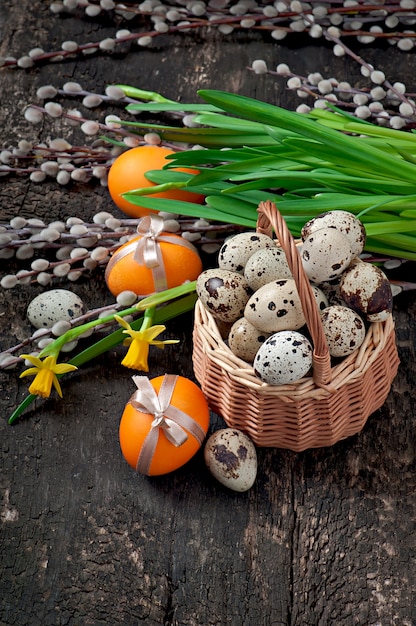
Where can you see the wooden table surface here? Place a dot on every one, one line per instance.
(324, 537)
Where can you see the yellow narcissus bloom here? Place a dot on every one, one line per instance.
(139, 342)
(45, 373)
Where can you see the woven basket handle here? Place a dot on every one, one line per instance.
(269, 219)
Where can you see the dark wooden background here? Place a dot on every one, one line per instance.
(326, 537)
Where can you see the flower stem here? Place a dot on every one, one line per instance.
(73, 333)
(142, 94)
(173, 309)
(148, 318)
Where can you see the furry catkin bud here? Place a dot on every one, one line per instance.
(60, 328)
(69, 46)
(39, 265)
(62, 269)
(90, 128)
(72, 87)
(46, 91)
(25, 252)
(25, 62)
(53, 109)
(8, 281)
(126, 298)
(43, 278)
(259, 66)
(99, 253)
(63, 177)
(33, 115)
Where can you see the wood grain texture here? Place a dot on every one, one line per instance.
(325, 537)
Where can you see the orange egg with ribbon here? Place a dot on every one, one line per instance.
(163, 424)
(153, 261)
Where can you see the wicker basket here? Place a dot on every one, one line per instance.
(315, 411)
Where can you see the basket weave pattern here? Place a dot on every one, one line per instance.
(317, 410)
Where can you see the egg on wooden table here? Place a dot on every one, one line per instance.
(230, 456)
(53, 306)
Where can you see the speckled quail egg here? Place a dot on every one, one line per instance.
(381, 316)
(223, 293)
(235, 251)
(244, 339)
(230, 456)
(320, 298)
(344, 330)
(265, 266)
(53, 306)
(285, 357)
(344, 221)
(325, 254)
(331, 289)
(275, 306)
(366, 289)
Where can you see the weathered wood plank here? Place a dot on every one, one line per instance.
(324, 537)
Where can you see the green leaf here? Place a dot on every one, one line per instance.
(329, 201)
(411, 213)
(396, 245)
(244, 212)
(209, 156)
(391, 226)
(170, 107)
(230, 123)
(352, 151)
(377, 247)
(200, 136)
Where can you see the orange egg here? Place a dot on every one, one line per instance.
(181, 263)
(135, 426)
(128, 172)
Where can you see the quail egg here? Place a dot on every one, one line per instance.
(223, 292)
(320, 298)
(344, 330)
(366, 289)
(275, 306)
(345, 222)
(231, 457)
(285, 357)
(381, 316)
(235, 251)
(265, 266)
(244, 339)
(53, 306)
(325, 254)
(331, 289)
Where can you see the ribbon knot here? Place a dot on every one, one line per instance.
(159, 418)
(169, 418)
(148, 251)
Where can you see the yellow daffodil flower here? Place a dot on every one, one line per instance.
(45, 373)
(139, 342)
